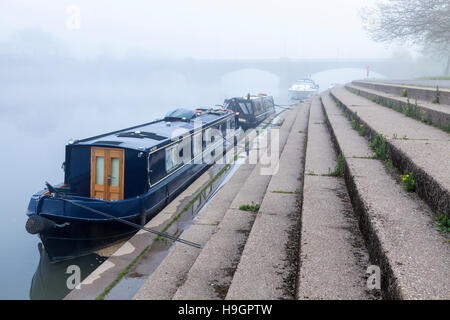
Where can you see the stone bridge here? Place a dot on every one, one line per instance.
(287, 70)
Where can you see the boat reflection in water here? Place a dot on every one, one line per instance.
(50, 279)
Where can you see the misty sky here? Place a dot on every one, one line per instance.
(199, 28)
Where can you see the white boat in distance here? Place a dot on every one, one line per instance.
(303, 89)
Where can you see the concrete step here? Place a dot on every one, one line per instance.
(163, 283)
(165, 280)
(434, 114)
(397, 225)
(268, 265)
(412, 146)
(333, 256)
(414, 92)
(211, 274)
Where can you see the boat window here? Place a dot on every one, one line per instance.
(99, 170)
(171, 157)
(250, 107)
(243, 107)
(259, 106)
(255, 107)
(207, 137)
(115, 165)
(197, 143)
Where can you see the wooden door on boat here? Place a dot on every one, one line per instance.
(107, 168)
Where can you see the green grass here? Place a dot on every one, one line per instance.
(102, 295)
(412, 111)
(443, 223)
(391, 165)
(250, 207)
(446, 128)
(339, 170)
(404, 93)
(409, 184)
(378, 145)
(437, 96)
(286, 192)
(362, 130)
(356, 122)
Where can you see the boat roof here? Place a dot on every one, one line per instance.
(305, 80)
(252, 97)
(148, 135)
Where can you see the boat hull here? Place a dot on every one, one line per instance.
(82, 238)
(73, 232)
(300, 95)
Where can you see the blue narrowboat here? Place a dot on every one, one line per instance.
(252, 109)
(130, 174)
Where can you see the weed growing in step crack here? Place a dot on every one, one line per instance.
(250, 207)
(286, 192)
(362, 130)
(378, 145)
(443, 223)
(339, 170)
(404, 93)
(391, 165)
(355, 122)
(437, 96)
(412, 111)
(409, 184)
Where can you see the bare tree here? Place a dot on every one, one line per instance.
(422, 22)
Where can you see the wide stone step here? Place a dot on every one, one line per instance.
(269, 265)
(434, 114)
(412, 146)
(397, 225)
(333, 257)
(414, 92)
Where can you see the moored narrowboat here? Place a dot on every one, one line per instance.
(130, 174)
(252, 109)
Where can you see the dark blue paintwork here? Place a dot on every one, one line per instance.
(252, 109)
(81, 231)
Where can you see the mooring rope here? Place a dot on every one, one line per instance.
(132, 224)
